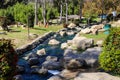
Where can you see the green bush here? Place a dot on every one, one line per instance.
(18, 12)
(31, 20)
(8, 60)
(110, 57)
(3, 23)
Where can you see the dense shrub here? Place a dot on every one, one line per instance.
(31, 20)
(3, 23)
(21, 12)
(8, 60)
(18, 12)
(110, 56)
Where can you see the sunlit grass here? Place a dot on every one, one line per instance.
(20, 35)
(100, 36)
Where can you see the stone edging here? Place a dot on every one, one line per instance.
(34, 43)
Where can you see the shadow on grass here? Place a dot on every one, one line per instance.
(15, 31)
(40, 29)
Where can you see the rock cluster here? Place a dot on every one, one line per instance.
(80, 55)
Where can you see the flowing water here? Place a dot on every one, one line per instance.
(50, 50)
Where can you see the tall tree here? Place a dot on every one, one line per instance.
(66, 15)
(81, 6)
(61, 8)
(44, 11)
(36, 20)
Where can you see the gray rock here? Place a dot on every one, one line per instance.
(39, 71)
(96, 76)
(91, 56)
(71, 25)
(33, 61)
(18, 77)
(53, 42)
(69, 42)
(68, 51)
(20, 69)
(68, 75)
(99, 43)
(51, 65)
(30, 55)
(51, 58)
(82, 43)
(41, 52)
(55, 78)
(63, 33)
(33, 55)
(64, 45)
(70, 33)
(74, 64)
(33, 36)
(85, 31)
(94, 31)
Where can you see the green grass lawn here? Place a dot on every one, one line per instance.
(20, 35)
(100, 36)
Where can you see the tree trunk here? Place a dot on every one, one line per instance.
(66, 11)
(44, 12)
(36, 20)
(81, 5)
(61, 7)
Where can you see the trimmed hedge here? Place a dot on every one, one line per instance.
(110, 57)
(8, 60)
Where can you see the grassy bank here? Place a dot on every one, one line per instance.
(100, 36)
(20, 35)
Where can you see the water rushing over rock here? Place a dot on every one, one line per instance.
(44, 61)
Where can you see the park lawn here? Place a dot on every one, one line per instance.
(20, 35)
(100, 36)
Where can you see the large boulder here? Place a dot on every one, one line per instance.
(96, 76)
(64, 45)
(69, 42)
(68, 52)
(51, 65)
(98, 27)
(91, 56)
(85, 31)
(94, 31)
(81, 43)
(33, 61)
(55, 78)
(41, 52)
(68, 75)
(53, 42)
(74, 64)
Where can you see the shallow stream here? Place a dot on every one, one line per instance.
(50, 51)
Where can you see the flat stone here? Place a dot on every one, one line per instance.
(96, 76)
